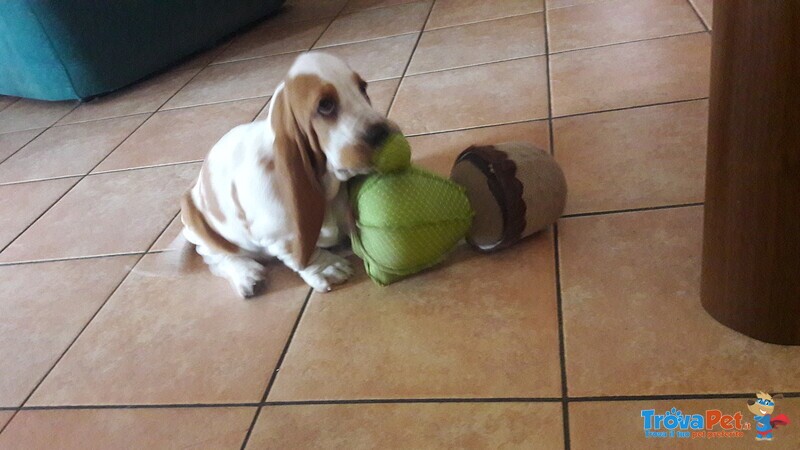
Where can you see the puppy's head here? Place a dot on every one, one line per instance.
(333, 113)
(323, 121)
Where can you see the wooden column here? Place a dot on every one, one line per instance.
(751, 247)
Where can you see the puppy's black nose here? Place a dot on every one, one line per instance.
(376, 134)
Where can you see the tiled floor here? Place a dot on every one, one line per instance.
(112, 338)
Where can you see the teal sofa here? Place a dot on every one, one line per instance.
(78, 49)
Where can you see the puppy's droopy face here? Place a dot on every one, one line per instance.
(342, 123)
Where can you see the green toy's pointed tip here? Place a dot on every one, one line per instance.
(394, 154)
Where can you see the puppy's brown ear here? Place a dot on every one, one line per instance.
(299, 166)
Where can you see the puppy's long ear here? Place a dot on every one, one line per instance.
(299, 166)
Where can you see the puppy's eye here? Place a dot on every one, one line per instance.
(362, 86)
(327, 107)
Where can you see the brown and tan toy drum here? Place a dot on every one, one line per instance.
(515, 189)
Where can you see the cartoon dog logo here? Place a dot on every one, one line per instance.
(762, 408)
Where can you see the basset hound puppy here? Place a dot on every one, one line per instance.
(275, 187)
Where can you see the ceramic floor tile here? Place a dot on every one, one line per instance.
(218, 428)
(142, 97)
(204, 57)
(301, 10)
(381, 93)
(635, 158)
(69, 149)
(11, 142)
(378, 59)
(403, 426)
(376, 23)
(21, 204)
(234, 81)
(633, 74)
(6, 101)
(612, 22)
(490, 318)
(631, 304)
(620, 424)
(26, 114)
(458, 12)
(171, 238)
(483, 42)
(44, 307)
(175, 333)
(554, 4)
(705, 8)
(438, 152)
(497, 95)
(104, 214)
(272, 38)
(179, 135)
(5, 416)
(358, 5)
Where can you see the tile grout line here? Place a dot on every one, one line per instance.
(394, 401)
(344, 12)
(573, 6)
(635, 41)
(657, 397)
(277, 369)
(510, 16)
(698, 15)
(562, 354)
(410, 57)
(566, 216)
(70, 258)
(625, 108)
(278, 364)
(630, 210)
(562, 360)
(479, 64)
(341, 44)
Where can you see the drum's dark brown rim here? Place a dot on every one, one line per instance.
(500, 173)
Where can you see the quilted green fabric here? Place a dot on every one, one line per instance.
(407, 221)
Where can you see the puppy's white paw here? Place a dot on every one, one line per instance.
(326, 271)
(244, 274)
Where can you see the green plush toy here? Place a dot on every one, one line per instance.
(407, 219)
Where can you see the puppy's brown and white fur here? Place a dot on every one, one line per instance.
(274, 188)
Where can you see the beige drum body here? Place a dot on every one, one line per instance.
(515, 189)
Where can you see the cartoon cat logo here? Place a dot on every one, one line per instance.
(762, 409)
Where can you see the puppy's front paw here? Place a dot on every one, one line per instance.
(326, 271)
(245, 275)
